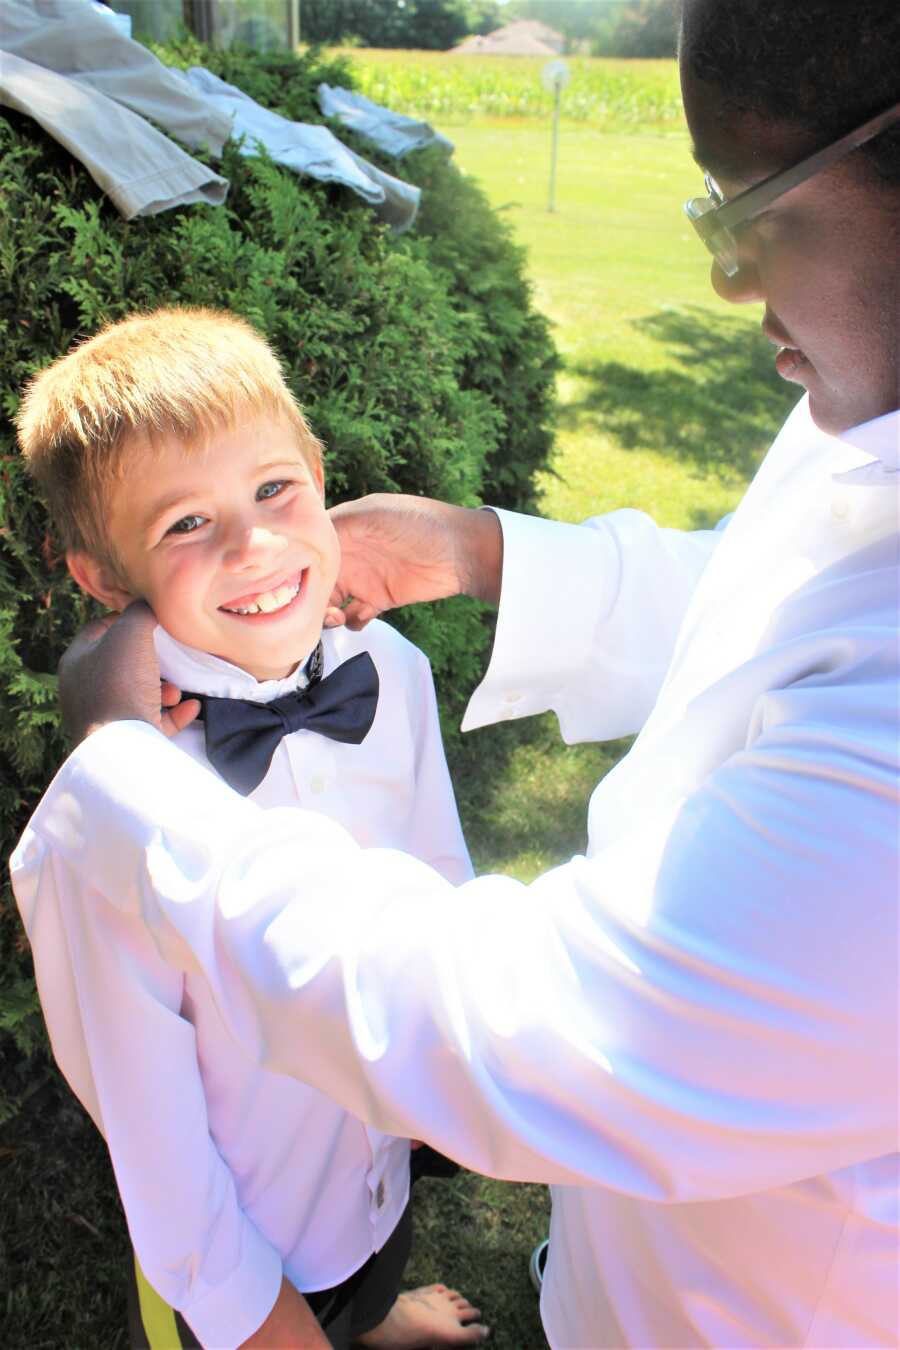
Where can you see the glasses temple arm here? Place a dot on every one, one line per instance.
(757, 198)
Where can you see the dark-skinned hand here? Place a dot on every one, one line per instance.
(110, 674)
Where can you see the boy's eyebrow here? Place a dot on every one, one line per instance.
(162, 508)
(280, 464)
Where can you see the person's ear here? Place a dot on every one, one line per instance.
(318, 474)
(99, 580)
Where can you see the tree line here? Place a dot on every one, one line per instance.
(630, 28)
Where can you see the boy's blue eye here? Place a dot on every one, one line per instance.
(186, 525)
(266, 490)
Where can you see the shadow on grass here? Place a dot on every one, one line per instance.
(63, 1242)
(477, 1235)
(718, 409)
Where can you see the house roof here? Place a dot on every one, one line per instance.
(524, 37)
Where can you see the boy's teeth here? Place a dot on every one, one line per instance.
(267, 602)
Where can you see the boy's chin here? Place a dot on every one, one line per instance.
(277, 669)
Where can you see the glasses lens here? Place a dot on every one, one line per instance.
(701, 212)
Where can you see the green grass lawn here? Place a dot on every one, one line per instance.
(667, 401)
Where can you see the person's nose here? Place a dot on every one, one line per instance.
(252, 547)
(743, 288)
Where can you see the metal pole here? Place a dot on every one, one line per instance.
(551, 206)
(293, 23)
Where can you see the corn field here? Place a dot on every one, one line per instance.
(610, 94)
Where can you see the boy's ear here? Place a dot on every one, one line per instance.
(98, 579)
(318, 473)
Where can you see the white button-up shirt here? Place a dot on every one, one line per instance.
(229, 1174)
(691, 1031)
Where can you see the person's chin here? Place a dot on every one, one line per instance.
(827, 407)
(826, 417)
(834, 412)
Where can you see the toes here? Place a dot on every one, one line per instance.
(463, 1308)
(472, 1335)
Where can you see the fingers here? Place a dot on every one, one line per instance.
(111, 673)
(169, 694)
(95, 628)
(180, 715)
(334, 617)
(88, 637)
(136, 623)
(358, 613)
(343, 609)
(175, 713)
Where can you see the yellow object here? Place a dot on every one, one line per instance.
(156, 1315)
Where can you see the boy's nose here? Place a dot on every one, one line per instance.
(250, 546)
(743, 288)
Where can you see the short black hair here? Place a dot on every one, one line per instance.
(825, 66)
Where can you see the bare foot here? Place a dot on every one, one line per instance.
(431, 1316)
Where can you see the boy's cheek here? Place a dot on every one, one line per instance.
(334, 564)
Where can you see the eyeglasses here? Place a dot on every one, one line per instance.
(717, 220)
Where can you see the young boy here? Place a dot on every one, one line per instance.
(179, 469)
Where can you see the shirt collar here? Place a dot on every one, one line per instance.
(879, 438)
(201, 673)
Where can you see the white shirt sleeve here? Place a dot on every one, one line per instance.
(595, 652)
(705, 1008)
(112, 1008)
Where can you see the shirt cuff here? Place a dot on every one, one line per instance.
(226, 1314)
(559, 582)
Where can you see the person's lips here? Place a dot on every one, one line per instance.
(272, 598)
(790, 361)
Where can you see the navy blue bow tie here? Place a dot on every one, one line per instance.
(242, 737)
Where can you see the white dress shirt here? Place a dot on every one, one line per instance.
(229, 1174)
(692, 1030)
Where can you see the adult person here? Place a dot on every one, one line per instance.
(691, 1031)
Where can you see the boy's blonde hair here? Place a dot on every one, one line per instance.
(180, 372)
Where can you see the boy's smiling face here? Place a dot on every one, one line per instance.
(228, 542)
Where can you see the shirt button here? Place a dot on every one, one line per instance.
(512, 697)
(379, 1195)
(318, 784)
(840, 509)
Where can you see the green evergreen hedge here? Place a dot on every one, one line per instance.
(418, 359)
